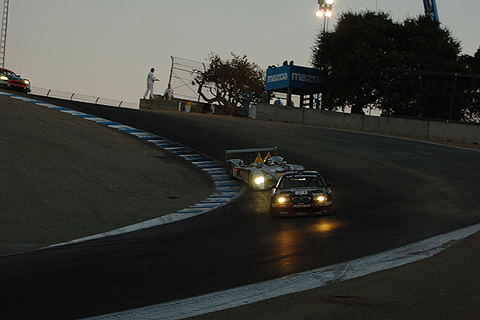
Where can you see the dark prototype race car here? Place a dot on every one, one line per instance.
(9, 80)
(301, 193)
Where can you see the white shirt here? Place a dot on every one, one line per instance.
(168, 93)
(151, 78)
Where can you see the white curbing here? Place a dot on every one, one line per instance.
(225, 191)
(313, 279)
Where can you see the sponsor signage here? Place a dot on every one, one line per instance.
(277, 78)
(295, 77)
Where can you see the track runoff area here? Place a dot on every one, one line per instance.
(227, 190)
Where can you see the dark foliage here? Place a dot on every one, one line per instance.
(409, 69)
(226, 81)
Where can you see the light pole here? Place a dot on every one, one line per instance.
(3, 35)
(325, 10)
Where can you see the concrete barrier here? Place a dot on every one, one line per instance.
(449, 131)
(412, 128)
(308, 116)
(170, 105)
(278, 113)
(157, 104)
(331, 119)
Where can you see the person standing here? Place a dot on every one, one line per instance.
(150, 80)
(246, 98)
(168, 94)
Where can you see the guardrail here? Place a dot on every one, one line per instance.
(83, 98)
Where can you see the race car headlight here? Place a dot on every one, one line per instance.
(281, 199)
(4, 78)
(320, 198)
(259, 180)
(26, 81)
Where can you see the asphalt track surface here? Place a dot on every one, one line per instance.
(388, 192)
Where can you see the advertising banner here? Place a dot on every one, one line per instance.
(289, 76)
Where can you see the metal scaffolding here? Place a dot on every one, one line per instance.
(3, 40)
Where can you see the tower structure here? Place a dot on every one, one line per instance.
(431, 9)
(3, 40)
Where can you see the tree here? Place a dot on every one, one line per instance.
(430, 56)
(369, 57)
(355, 56)
(226, 81)
(471, 106)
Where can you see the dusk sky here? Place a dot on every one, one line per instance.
(105, 48)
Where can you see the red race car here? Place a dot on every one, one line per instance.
(9, 80)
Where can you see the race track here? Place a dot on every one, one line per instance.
(388, 192)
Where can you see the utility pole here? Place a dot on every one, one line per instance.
(3, 40)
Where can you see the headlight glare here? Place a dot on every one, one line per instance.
(320, 198)
(3, 78)
(281, 199)
(26, 82)
(259, 180)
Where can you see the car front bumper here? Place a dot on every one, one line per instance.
(301, 209)
(16, 85)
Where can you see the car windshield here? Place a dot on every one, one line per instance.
(8, 73)
(300, 181)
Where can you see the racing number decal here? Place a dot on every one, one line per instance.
(301, 192)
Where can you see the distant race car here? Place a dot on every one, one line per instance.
(301, 193)
(9, 80)
(262, 173)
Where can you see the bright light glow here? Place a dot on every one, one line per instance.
(329, 1)
(325, 227)
(329, 13)
(319, 13)
(3, 78)
(320, 198)
(27, 82)
(281, 199)
(259, 180)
